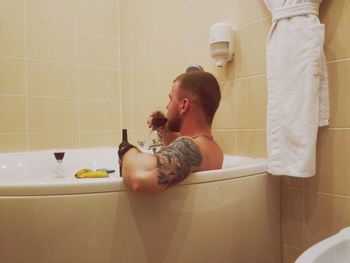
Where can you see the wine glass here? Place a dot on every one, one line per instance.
(153, 139)
(59, 158)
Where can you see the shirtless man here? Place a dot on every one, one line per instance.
(189, 145)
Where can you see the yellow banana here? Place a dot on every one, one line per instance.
(88, 173)
(81, 172)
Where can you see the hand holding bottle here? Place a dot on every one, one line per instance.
(124, 146)
(156, 120)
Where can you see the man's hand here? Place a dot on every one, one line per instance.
(166, 136)
(155, 125)
(123, 148)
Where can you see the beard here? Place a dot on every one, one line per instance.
(174, 124)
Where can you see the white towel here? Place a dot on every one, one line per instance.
(297, 86)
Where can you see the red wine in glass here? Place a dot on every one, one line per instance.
(59, 156)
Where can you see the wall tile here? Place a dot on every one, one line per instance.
(98, 51)
(98, 83)
(44, 141)
(56, 51)
(143, 107)
(51, 79)
(204, 13)
(13, 114)
(54, 12)
(227, 140)
(290, 254)
(167, 72)
(125, 82)
(125, 54)
(144, 11)
(292, 217)
(228, 72)
(226, 115)
(166, 5)
(143, 81)
(11, 38)
(244, 12)
(143, 43)
(162, 102)
(98, 139)
(325, 215)
(250, 46)
(97, 18)
(12, 76)
(51, 43)
(12, 142)
(339, 94)
(12, 9)
(251, 103)
(99, 115)
(200, 54)
(108, 2)
(52, 115)
(335, 15)
(127, 117)
(172, 30)
(125, 11)
(333, 167)
(251, 143)
(292, 182)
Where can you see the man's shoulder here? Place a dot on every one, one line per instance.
(212, 154)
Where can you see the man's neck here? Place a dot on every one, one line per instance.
(193, 130)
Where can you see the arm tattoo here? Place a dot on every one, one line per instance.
(174, 162)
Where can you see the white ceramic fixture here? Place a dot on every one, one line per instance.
(335, 249)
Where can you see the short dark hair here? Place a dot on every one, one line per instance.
(205, 86)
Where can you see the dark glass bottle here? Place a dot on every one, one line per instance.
(123, 144)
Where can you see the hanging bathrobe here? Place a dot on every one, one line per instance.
(297, 86)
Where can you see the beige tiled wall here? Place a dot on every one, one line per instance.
(315, 208)
(167, 36)
(59, 74)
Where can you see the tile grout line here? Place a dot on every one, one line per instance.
(57, 27)
(26, 75)
(60, 62)
(121, 117)
(317, 192)
(77, 89)
(189, 54)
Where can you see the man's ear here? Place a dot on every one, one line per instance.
(185, 106)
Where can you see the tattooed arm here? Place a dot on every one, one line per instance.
(151, 174)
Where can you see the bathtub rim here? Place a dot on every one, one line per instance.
(72, 185)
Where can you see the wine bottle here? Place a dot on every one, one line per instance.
(122, 145)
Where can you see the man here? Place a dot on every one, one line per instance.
(189, 145)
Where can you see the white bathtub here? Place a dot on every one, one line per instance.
(47, 215)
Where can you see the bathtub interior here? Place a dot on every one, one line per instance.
(33, 173)
(41, 165)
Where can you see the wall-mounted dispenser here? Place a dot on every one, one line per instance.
(221, 43)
